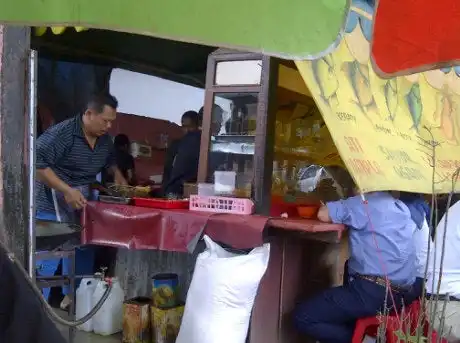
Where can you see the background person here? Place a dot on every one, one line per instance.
(182, 163)
(190, 121)
(216, 159)
(420, 214)
(217, 118)
(124, 160)
(449, 293)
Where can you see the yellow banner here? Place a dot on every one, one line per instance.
(385, 129)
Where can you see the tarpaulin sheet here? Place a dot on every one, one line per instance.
(134, 227)
(172, 230)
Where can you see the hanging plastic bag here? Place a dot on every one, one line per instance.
(221, 295)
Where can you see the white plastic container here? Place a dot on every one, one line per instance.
(224, 182)
(109, 319)
(84, 302)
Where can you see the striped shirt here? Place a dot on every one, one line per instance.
(65, 150)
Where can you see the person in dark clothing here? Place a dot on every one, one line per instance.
(190, 121)
(124, 160)
(420, 214)
(182, 158)
(171, 153)
(22, 317)
(216, 159)
(216, 118)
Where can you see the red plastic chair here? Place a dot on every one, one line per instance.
(369, 326)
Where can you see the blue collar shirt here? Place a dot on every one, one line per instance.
(381, 236)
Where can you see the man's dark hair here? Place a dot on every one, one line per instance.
(121, 140)
(97, 102)
(193, 116)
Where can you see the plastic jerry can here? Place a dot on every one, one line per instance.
(109, 319)
(84, 302)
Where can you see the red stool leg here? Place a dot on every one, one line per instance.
(365, 326)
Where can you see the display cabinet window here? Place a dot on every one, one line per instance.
(232, 73)
(233, 138)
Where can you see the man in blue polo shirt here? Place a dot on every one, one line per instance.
(381, 246)
(69, 157)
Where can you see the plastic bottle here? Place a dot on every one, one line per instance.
(84, 302)
(109, 319)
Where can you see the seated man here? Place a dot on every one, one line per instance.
(450, 281)
(381, 246)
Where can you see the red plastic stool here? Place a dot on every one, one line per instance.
(369, 326)
(365, 326)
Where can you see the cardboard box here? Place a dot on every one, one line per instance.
(166, 323)
(136, 320)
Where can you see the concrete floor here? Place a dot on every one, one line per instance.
(85, 337)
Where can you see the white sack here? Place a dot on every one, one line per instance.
(221, 295)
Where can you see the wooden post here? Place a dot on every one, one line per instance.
(14, 186)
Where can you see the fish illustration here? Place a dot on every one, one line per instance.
(390, 90)
(324, 74)
(445, 112)
(358, 74)
(415, 105)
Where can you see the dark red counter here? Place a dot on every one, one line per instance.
(297, 267)
(145, 228)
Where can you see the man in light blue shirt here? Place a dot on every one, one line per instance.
(381, 245)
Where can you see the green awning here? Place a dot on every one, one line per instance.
(295, 29)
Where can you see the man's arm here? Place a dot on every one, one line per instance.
(348, 212)
(111, 166)
(323, 214)
(118, 176)
(169, 160)
(132, 179)
(49, 178)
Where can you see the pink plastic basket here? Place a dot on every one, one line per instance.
(221, 204)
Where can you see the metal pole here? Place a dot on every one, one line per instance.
(32, 131)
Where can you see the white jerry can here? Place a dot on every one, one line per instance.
(109, 319)
(84, 302)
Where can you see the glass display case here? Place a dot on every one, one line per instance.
(238, 131)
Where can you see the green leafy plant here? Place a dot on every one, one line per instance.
(407, 337)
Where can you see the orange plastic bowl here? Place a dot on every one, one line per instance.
(308, 212)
